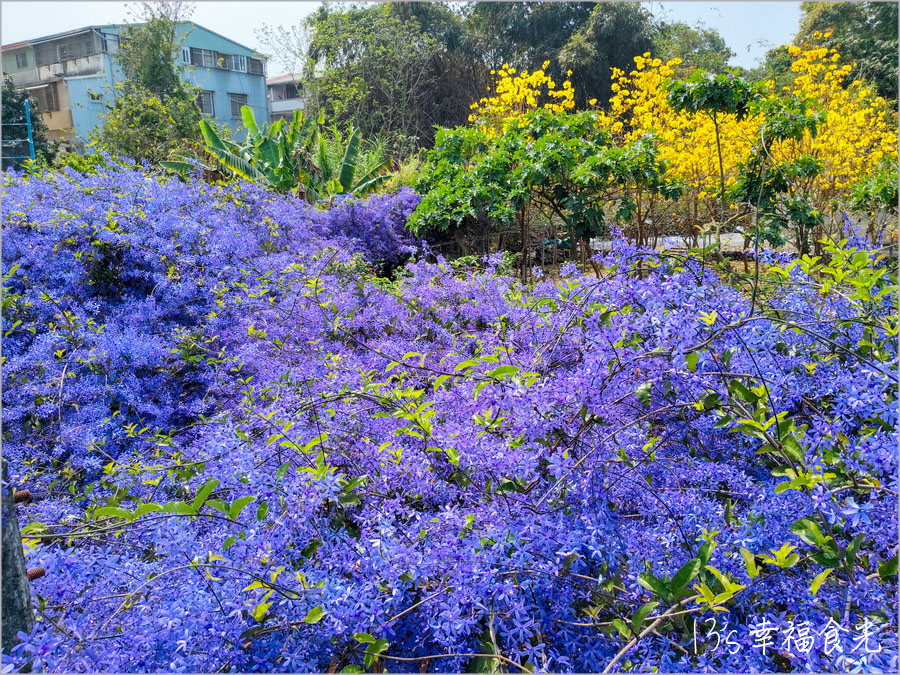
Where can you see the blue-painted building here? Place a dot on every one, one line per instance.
(73, 75)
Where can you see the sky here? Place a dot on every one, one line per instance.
(749, 28)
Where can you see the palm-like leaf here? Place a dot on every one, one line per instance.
(348, 163)
(298, 155)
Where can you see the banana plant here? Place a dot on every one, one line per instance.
(357, 172)
(289, 156)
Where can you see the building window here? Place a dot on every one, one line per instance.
(255, 67)
(45, 97)
(77, 47)
(207, 102)
(95, 96)
(22, 60)
(205, 58)
(238, 63)
(186, 56)
(237, 102)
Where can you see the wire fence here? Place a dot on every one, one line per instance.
(23, 147)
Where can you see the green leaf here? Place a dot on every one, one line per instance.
(219, 505)
(853, 548)
(643, 392)
(262, 511)
(643, 612)
(808, 530)
(655, 584)
(691, 359)
(348, 163)
(452, 455)
(353, 668)
(819, 580)
(373, 651)
(622, 628)
(705, 551)
(113, 511)
(150, 507)
(750, 563)
(238, 505)
(204, 492)
(249, 120)
(363, 638)
(888, 568)
(259, 612)
(503, 372)
(315, 615)
(738, 390)
(690, 569)
(181, 508)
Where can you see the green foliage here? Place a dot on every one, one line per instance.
(560, 161)
(722, 94)
(774, 189)
(406, 173)
(144, 126)
(716, 96)
(85, 164)
(613, 34)
(877, 190)
(585, 37)
(299, 156)
(148, 50)
(12, 120)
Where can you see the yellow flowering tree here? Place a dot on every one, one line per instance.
(856, 134)
(515, 93)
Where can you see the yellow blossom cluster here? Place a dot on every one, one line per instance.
(515, 93)
(859, 127)
(857, 131)
(686, 142)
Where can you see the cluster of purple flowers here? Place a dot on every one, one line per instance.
(316, 467)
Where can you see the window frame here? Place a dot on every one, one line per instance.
(22, 62)
(203, 58)
(262, 66)
(236, 112)
(46, 96)
(212, 102)
(238, 63)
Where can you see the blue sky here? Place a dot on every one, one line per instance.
(749, 28)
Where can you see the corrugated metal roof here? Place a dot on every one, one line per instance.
(75, 31)
(287, 77)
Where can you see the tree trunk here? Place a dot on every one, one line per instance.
(17, 611)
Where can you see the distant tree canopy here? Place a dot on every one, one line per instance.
(864, 32)
(14, 128)
(398, 70)
(394, 70)
(697, 47)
